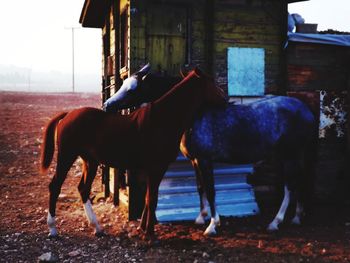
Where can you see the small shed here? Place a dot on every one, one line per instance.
(318, 71)
(240, 42)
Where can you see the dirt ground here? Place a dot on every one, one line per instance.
(325, 236)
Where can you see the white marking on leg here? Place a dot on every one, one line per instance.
(217, 218)
(214, 222)
(200, 220)
(51, 222)
(273, 226)
(92, 217)
(298, 213)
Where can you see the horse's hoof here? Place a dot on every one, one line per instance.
(272, 228)
(141, 229)
(100, 234)
(296, 221)
(151, 240)
(210, 232)
(154, 242)
(199, 220)
(53, 235)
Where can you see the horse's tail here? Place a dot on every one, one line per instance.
(48, 145)
(185, 144)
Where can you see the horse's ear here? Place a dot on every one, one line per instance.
(183, 73)
(185, 70)
(144, 70)
(197, 71)
(119, 81)
(145, 77)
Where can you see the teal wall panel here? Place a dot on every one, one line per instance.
(246, 71)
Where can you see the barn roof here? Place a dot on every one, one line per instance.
(94, 12)
(328, 39)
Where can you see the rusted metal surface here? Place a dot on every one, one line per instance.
(330, 109)
(333, 114)
(312, 66)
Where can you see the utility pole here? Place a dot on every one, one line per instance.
(73, 81)
(28, 78)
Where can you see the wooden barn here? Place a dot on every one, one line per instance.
(175, 33)
(242, 43)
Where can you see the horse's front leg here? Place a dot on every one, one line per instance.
(144, 216)
(203, 213)
(146, 213)
(206, 169)
(151, 201)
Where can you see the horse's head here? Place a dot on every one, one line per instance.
(128, 94)
(141, 87)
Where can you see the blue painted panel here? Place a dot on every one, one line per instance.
(178, 198)
(246, 71)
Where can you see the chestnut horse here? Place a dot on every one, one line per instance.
(282, 127)
(148, 140)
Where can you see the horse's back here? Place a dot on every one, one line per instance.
(287, 117)
(245, 132)
(292, 105)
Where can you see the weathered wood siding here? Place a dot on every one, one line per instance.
(137, 35)
(255, 23)
(213, 27)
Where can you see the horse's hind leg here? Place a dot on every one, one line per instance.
(273, 226)
(89, 173)
(298, 214)
(304, 187)
(290, 171)
(62, 168)
(205, 168)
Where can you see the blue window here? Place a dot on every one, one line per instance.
(246, 71)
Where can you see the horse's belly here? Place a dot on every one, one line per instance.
(228, 153)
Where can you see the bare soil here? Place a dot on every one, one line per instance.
(324, 237)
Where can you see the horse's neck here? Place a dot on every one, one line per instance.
(158, 86)
(180, 103)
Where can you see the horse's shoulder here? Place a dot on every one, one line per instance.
(141, 116)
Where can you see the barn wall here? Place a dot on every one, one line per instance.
(216, 25)
(196, 32)
(137, 35)
(260, 24)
